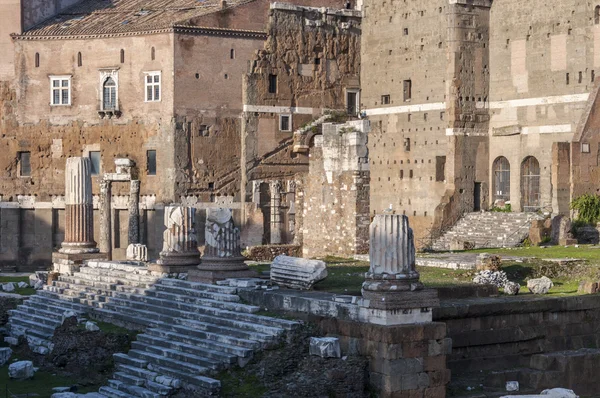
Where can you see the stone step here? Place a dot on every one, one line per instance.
(229, 327)
(238, 311)
(229, 346)
(50, 301)
(226, 305)
(153, 380)
(196, 293)
(78, 293)
(213, 353)
(143, 277)
(205, 382)
(180, 366)
(135, 391)
(113, 393)
(205, 362)
(131, 267)
(116, 279)
(129, 361)
(32, 328)
(101, 281)
(197, 286)
(43, 320)
(51, 313)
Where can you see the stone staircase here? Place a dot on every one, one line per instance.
(488, 230)
(191, 331)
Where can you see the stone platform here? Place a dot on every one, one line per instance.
(191, 331)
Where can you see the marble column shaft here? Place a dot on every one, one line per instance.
(79, 223)
(105, 218)
(134, 213)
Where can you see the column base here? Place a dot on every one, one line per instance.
(69, 263)
(398, 308)
(179, 259)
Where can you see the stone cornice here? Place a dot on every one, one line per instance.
(250, 34)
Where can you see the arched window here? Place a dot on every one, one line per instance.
(79, 60)
(109, 94)
(530, 184)
(37, 60)
(153, 53)
(501, 179)
(122, 56)
(597, 15)
(232, 54)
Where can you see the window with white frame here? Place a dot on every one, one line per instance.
(109, 94)
(285, 122)
(60, 90)
(152, 86)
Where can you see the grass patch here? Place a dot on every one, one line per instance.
(237, 383)
(109, 328)
(23, 291)
(590, 253)
(41, 384)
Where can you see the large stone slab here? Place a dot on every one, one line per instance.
(297, 273)
(21, 370)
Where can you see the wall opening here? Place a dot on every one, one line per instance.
(95, 160)
(501, 179)
(530, 184)
(122, 56)
(79, 59)
(440, 168)
(24, 159)
(109, 94)
(151, 162)
(272, 84)
(407, 90)
(37, 60)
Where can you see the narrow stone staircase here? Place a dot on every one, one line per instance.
(191, 331)
(488, 230)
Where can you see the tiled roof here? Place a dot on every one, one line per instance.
(105, 17)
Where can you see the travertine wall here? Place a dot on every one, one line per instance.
(427, 147)
(532, 105)
(315, 56)
(334, 201)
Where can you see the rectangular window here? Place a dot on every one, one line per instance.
(95, 160)
(385, 99)
(151, 162)
(440, 168)
(352, 102)
(585, 147)
(273, 84)
(152, 84)
(407, 90)
(285, 122)
(24, 164)
(60, 90)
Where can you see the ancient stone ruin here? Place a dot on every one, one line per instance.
(222, 256)
(180, 245)
(392, 291)
(79, 243)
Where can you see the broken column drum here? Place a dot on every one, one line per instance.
(79, 223)
(392, 255)
(222, 251)
(180, 245)
(392, 293)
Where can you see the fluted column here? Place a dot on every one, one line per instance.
(134, 213)
(180, 245)
(79, 225)
(392, 255)
(223, 249)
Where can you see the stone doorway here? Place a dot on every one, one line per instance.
(530, 184)
(501, 170)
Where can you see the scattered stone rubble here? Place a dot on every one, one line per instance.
(325, 347)
(496, 278)
(540, 285)
(486, 261)
(21, 370)
(512, 288)
(552, 393)
(297, 273)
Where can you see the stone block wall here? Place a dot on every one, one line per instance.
(335, 198)
(404, 361)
